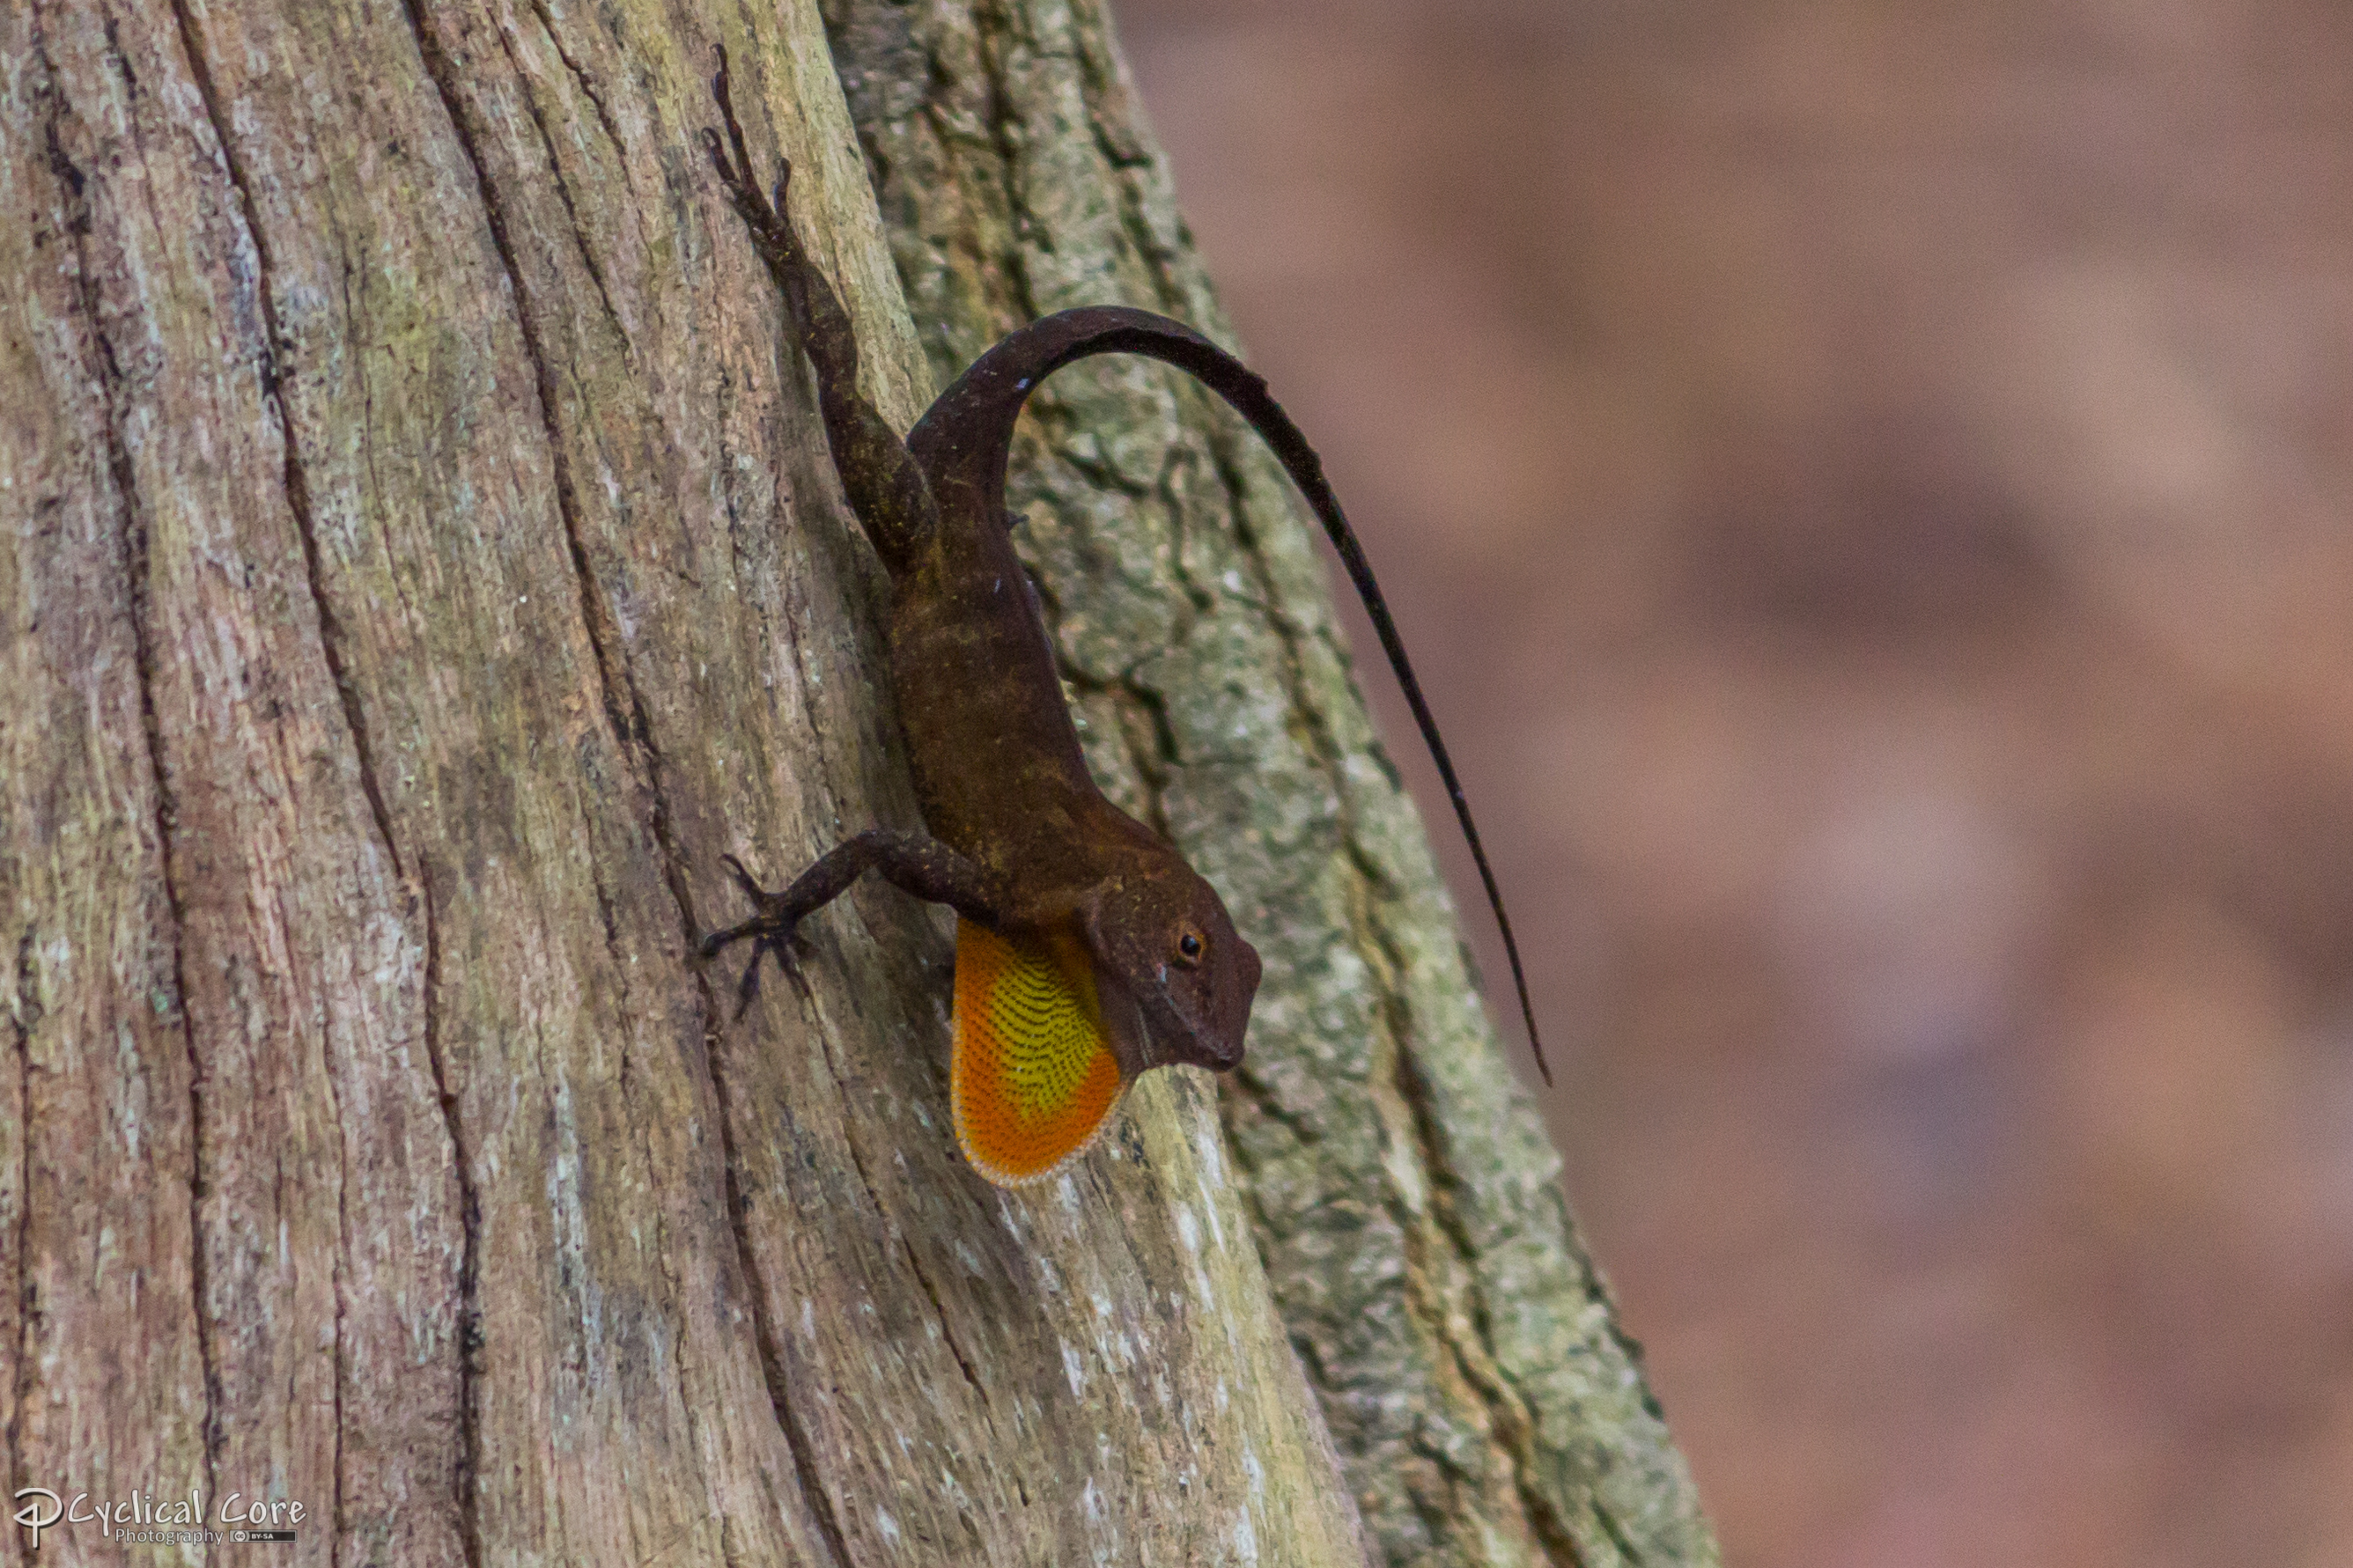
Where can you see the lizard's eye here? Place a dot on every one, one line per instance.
(1189, 947)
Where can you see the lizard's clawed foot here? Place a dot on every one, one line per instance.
(771, 931)
(763, 216)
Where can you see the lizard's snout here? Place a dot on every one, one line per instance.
(1230, 1006)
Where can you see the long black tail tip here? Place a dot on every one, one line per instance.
(1535, 1042)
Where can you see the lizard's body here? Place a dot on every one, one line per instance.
(997, 766)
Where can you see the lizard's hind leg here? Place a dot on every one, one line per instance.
(881, 481)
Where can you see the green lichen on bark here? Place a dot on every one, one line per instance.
(1405, 1198)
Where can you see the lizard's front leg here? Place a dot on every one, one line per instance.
(912, 862)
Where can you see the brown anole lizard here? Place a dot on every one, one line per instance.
(1088, 952)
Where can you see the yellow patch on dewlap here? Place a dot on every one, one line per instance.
(1033, 1079)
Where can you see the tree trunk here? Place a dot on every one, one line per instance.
(422, 563)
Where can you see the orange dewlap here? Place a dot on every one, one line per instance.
(1033, 1079)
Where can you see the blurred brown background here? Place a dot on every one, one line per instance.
(1868, 487)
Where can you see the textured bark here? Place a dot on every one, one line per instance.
(421, 563)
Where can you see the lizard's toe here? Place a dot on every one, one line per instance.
(778, 943)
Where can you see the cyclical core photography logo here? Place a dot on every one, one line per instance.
(146, 1519)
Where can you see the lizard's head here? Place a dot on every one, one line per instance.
(1164, 941)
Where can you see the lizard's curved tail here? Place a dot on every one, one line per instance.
(965, 440)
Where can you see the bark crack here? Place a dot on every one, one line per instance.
(1268, 1104)
(1000, 121)
(858, 1162)
(469, 1220)
(1481, 1369)
(931, 1294)
(756, 1286)
(296, 479)
(562, 188)
(588, 88)
(661, 1255)
(676, 1288)
(1616, 1531)
(136, 564)
(342, 1258)
(25, 1018)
